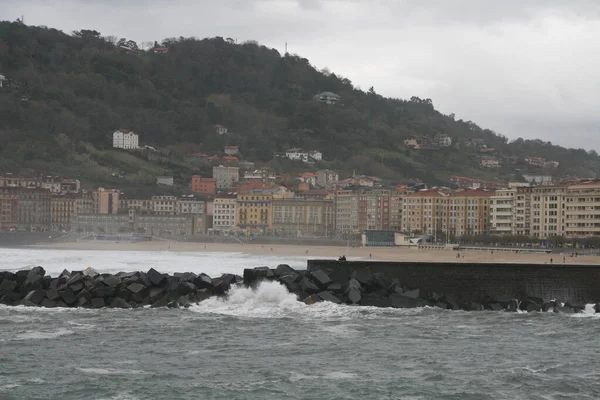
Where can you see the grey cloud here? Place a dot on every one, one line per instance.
(527, 68)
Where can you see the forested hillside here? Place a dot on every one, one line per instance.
(66, 93)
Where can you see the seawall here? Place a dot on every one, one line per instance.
(475, 282)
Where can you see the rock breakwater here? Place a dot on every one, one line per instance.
(90, 289)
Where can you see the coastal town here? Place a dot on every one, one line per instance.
(240, 199)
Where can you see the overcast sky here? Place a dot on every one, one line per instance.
(524, 68)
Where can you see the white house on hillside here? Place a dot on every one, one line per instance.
(2, 79)
(327, 98)
(124, 139)
(297, 154)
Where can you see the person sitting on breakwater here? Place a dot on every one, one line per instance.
(342, 258)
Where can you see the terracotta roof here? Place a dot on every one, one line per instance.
(230, 158)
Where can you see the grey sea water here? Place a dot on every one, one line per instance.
(263, 344)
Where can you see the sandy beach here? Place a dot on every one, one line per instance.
(375, 253)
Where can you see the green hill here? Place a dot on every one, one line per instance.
(66, 94)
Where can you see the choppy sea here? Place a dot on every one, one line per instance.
(263, 344)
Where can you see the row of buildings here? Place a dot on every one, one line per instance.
(229, 178)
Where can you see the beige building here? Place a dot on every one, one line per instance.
(34, 209)
(8, 208)
(547, 211)
(224, 213)
(106, 201)
(582, 210)
(361, 209)
(164, 205)
(63, 208)
(303, 217)
(522, 211)
(501, 212)
(456, 214)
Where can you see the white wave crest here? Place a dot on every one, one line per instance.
(272, 300)
(112, 371)
(42, 335)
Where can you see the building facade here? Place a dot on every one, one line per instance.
(34, 210)
(106, 201)
(253, 212)
(325, 177)
(202, 185)
(9, 217)
(453, 214)
(224, 213)
(225, 177)
(124, 139)
(297, 217)
(501, 212)
(63, 209)
(582, 210)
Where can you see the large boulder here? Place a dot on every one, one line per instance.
(7, 286)
(351, 284)
(335, 287)
(185, 288)
(284, 269)
(320, 278)
(68, 297)
(111, 281)
(220, 286)
(328, 296)
(91, 272)
(185, 276)
(52, 294)
(155, 277)
(339, 275)
(74, 278)
(289, 281)
(35, 275)
(307, 286)
(380, 281)
(263, 273)
(47, 303)
(354, 296)
(36, 296)
(136, 287)
(106, 292)
(203, 281)
(118, 302)
(98, 302)
(364, 277)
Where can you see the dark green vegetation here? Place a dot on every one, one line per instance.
(68, 93)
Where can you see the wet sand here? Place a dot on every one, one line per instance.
(375, 253)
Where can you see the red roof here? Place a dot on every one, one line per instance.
(213, 157)
(231, 147)
(230, 158)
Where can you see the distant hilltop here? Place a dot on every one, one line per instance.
(65, 96)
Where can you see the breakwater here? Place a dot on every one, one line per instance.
(377, 284)
(576, 284)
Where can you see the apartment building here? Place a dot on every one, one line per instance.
(225, 177)
(202, 185)
(547, 211)
(296, 217)
(254, 212)
(582, 210)
(63, 209)
(189, 205)
(106, 201)
(325, 177)
(522, 211)
(164, 205)
(224, 213)
(8, 208)
(361, 209)
(501, 212)
(124, 139)
(34, 210)
(454, 213)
